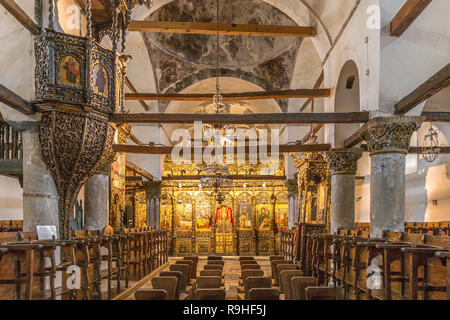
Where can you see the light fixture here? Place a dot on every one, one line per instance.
(216, 177)
(430, 149)
(179, 185)
(264, 185)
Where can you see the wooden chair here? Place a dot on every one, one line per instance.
(167, 283)
(281, 267)
(184, 269)
(299, 285)
(151, 294)
(176, 274)
(195, 264)
(209, 294)
(285, 282)
(320, 293)
(255, 282)
(208, 282)
(264, 294)
(213, 267)
(214, 258)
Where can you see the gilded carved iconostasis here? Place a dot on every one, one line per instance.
(245, 221)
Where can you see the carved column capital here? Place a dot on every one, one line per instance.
(153, 188)
(343, 161)
(393, 134)
(292, 186)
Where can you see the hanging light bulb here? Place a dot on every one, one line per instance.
(264, 185)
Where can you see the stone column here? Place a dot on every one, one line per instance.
(40, 197)
(96, 202)
(153, 193)
(342, 164)
(292, 186)
(388, 142)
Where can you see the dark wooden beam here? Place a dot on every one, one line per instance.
(136, 169)
(15, 101)
(406, 16)
(168, 150)
(133, 179)
(255, 118)
(311, 133)
(233, 177)
(258, 95)
(224, 29)
(11, 167)
(317, 85)
(433, 85)
(133, 89)
(21, 16)
(436, 116)
(353, 140)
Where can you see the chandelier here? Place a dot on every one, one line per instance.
(216, 178)
(430, 149)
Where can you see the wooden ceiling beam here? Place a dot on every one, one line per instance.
(317, 85)
(15, 101)
(224, 29)
(125, 148)
(254, 118)
(133, 90)
(407, 15)
(433, 85)
(136, 169)
(13, 8)
(259, 95)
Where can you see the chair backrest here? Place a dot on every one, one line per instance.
(299, 285)
(250, 267)
(211, 273)
(167, 283)
(190, 263)
(246, 258)
(215, 258)
(264, 294)
(256, 282)
(184, 269)
(273, 266)
(208, 282)
(194, 259)
(251, 273)
(213, 267)
(209, 294)
(248, 262)
(176, 274)
(285, 282)
(281, 267)
(219, 262)
(150, 294)
(320, 293)
(272, 258)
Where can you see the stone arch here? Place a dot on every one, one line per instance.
(346, 99)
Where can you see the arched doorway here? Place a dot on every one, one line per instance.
(346, 100)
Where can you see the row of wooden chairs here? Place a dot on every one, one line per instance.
(403, 266)
(29, 260)
(434, 228)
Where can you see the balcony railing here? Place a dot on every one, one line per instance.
(10, 142)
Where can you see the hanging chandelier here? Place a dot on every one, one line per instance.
(430, 149)
(216, 178)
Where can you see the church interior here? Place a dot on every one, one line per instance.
(224, 150)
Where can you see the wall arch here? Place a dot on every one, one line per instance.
(346, 99)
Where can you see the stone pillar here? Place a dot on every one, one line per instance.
(292, 186)
(40, 197)
(388, 142)
(153, 193)
(96, 202)
(342, 164)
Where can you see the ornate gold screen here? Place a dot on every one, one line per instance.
(224, 236)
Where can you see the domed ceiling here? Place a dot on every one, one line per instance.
(181, 60)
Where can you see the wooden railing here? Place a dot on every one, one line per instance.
(10, 142)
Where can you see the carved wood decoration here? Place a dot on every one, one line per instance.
(79, 85)
(314, 188)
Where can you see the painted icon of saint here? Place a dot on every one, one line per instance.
(70, 73)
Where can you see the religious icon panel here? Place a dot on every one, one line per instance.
(70, 71)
